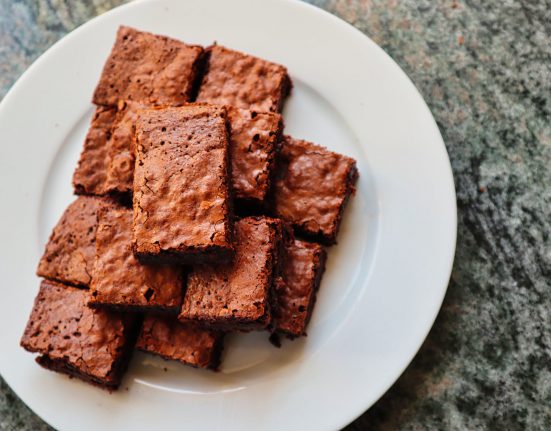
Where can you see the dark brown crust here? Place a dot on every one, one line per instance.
(70, 251)
(351, 179)
(232, 324)
(234, 78)
(119, 367)
(294, 287)
(133, 308)
(213, 289)
(93, 345)
(217, 356)
(148, 68)
(201, 68)
(286, 89)
(286, 237)
(188, 344)
(184, 256)
(278, 142)
(60, 366)
(181, 150)
(320, 180)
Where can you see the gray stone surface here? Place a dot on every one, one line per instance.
(484, 69)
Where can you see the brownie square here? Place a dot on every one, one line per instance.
(244, 81)
(312, 187)
(300, 273)
(182, 205)
(119, 281)
(93, 345)
(148, 68)
(236, 295)
(188, 344)
(106, 165)
(70, 251)
(254, 139)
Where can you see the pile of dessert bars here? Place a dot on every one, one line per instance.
(196, 216)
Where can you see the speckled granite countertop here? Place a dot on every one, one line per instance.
(484, 69)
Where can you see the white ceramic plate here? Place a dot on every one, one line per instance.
(385, 280)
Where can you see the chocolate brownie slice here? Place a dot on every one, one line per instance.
(119, 280)
(173, 340)
(254, 139)
(106, 165)
(148, 68)
(244, 81)
(182, 205)
(312, 187)
(93, 345)
(300, 274)
(236, 295)
(70, 251)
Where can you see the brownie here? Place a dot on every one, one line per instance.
(182, 202)
(312, 187)
(173, 340)
(120, 158)
(254, 139)
(90, 174)
(236, 295)
(106, 165)
(70, 251)
(244, 81)
(148, 68)
(119, 280)
(300, 274)
(93, 345)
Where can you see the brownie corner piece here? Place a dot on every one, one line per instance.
(182, 198)
(324, 181)
(119, 281)
(69, 254)
(188, 344)
(295, 289)
(146, 67)
(70, 337)
(244, 81)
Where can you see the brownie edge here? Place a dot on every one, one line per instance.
(93, 345)
(188, 344)
(301, 271)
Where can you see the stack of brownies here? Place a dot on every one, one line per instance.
(189, 200)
